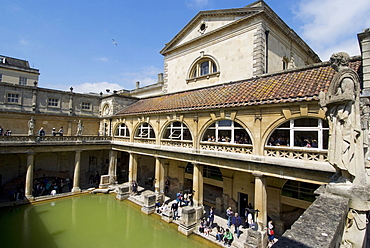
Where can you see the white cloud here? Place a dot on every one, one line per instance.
(196, 3)
(96, 87)
(102, 59)
(329, 24)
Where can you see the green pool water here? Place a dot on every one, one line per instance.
(91, 221)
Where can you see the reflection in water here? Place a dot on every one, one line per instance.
(88, 221)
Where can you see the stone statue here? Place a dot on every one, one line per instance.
(342, 106)
(31, 126)
(80, 128)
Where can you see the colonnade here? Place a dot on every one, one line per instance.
(161, 170)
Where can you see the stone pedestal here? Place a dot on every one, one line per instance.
(188, 221)
(256, 239)
(104, 182)
(149, 204)
(167, 216)
(123, 192)
(199, 211)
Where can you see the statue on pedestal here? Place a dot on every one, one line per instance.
(31, 126)
(342, 106)
(80, 128)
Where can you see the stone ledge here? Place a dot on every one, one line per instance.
(321, 225)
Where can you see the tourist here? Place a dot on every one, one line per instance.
(207, 229)
(61, 131)
(229, 214)
(53, 132)
(202, 226)
(174, 209)
(41, 132)
(1, 131)
(134, 188)
(211, 216)
(158, 207)
(228, 238)
(166, 186)
(220, 233)
(237, 221)
(271, 232)
(249, 219)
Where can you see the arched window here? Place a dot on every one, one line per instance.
(227, 131)
(304, 132)
(122, 131)
(203, 67)
(300, 190)
(145, 131)
(177, 131)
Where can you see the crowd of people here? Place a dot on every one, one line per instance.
(238, 139)
(51, 186)
(8, 132)
(307, 142)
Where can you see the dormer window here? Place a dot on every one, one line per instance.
(2, 60)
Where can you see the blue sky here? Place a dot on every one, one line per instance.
(70, 41)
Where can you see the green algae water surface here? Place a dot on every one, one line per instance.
(91, 221)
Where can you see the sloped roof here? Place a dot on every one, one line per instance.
(292, 86)
(15, 62)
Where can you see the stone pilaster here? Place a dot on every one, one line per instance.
(198, 185)
(29, 175)
(76, 176)
(260, 201)
(132, 168)
(112, 167)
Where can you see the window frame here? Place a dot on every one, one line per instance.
(83, 106)
(226, 125)
(293, 129)
(203, 67)
(23, 81)
(11, 95)
(53, 102)
(122, 131)
(145, 131)
(181, 130)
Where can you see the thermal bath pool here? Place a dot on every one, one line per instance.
(91, 221)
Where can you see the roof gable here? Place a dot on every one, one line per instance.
(208, 22)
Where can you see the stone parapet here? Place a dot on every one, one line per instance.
(321, 225)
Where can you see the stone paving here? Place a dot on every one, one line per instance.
(238, 242)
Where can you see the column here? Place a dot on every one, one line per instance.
(29, 175)
(76, 176)
(112, 171)
(260, 201)
(132, 176)
(157, 175)
(198, 185)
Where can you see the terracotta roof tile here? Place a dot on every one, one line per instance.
(300, 85)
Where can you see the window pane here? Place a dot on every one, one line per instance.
(225, 123)
(214, 67)
(204, 68)
(325, 139)
(285, 124)
(224, 135)
(305, 138)
(279, 138)
(306, 122)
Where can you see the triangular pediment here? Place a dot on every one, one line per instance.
(208, 22)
